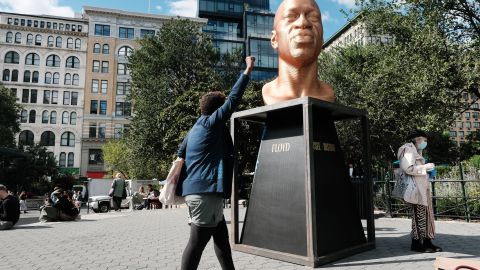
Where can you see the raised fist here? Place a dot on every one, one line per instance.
(250, 60)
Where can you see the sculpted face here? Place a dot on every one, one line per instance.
(298, 32)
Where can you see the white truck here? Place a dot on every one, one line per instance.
(97, 190)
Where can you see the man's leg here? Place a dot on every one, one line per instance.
(199, 237)
(6, 225)
(222, 246)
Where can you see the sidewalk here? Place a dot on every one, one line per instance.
(155, 240)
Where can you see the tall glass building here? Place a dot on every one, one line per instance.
(245, 25)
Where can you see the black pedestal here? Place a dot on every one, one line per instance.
(301, 206)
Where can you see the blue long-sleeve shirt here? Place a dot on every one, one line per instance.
(208, 148)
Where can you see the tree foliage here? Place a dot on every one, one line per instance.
(116, 155)
(170, 72)
(9, 124)
(413, 82)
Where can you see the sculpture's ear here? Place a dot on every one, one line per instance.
(274, 40)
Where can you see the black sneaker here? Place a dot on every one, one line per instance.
(418, 246)
(428, 244)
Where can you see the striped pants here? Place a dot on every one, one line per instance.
(423, 221)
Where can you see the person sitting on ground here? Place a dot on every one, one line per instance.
(53, 198)
(9, 209)
(66, 210)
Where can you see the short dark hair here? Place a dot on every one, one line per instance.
(211, 101)
(2, 187)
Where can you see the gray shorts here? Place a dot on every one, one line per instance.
(206, 210)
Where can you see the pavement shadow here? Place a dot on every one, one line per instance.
(388, 246)
(31, 227)
(27, 220)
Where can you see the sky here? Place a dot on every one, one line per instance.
(332, 18)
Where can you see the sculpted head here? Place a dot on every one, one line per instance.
(298, 32)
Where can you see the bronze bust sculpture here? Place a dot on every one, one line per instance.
(298, 36)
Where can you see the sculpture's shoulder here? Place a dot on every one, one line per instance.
(267, 92)
(325, 92)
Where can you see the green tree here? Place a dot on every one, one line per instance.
(413, 82)
(9, 124)
(471, 147)
(170, 72)
(116, 155)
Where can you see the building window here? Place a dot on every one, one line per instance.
(104, 86)
(70, 43)
(29, 39)
(23, 116)
(96, 48)
(33, 96)
(6, 75)
(468, 124)
(122, 69)
(475, 115)
(18, 38)
(58, 42)
(25, 95)
(68, 139)
(32, 59)
(461, 134)
(102, 30)
(102, 129)
(146, 33)
(55, 25)
(54, 97)
(71, 158)
(123, 109)
(93, 106)
(38, 40)
(94, 86)
(26, 137)
(73, 62)
(9, 37)
(74, 100)
(125, 51)
(105, 49)
(76, 79)
(15, 75)
(96, 66)
(127, 33)
(474, 106)
(104, 66)
(46, 96)
(31, 116)
(26, 76)
(12, 58)
(92, 130)
(95, 157)
(62, 160)
(35, 76)
(467, 115)
(56, 78)
(103, 107)
(53, 117)
(78, 43)
(45, 117)
(47, 139)
(65, 117)
(48, 78)
(53, 61)
(476, 125)
(66, 98)
(68, 79)
(50, 41)
(73, 118)
(123, 88)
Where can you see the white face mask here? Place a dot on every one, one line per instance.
(422, 145)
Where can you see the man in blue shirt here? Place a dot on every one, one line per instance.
(208, 154)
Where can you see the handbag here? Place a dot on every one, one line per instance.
(167, 195)
(406, 189)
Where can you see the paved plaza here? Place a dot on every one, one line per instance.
(154, 239)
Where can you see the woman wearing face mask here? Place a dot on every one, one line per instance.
(413, 164)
